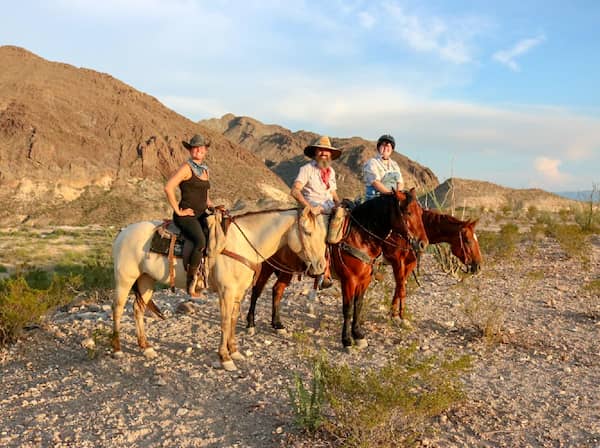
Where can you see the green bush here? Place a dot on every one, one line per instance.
(22, 305)
(94, 275)
(308, 405)
(499, 244)
(571, 238)
(389, 407)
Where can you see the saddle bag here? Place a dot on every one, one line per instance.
(335, 232)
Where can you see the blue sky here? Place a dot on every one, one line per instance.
(507, 92)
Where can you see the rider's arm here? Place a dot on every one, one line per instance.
(183, 173)
(296, 193)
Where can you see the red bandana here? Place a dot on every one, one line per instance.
(325, 175)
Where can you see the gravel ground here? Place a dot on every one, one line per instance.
(538, 387)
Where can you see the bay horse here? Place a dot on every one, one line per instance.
(352, 259)
(440, 228)
(250, 239)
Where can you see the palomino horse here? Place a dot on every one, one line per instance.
(440, 228)
(250, 240)
(352, 259)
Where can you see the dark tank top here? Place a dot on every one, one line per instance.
(194, 194)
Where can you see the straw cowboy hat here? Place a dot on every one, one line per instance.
(197, 140)
(322, 143)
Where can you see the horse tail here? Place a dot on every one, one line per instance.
(150, 305)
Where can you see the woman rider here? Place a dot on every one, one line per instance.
(189, 214)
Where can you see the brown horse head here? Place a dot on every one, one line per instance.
(409, 222)
(465, 246)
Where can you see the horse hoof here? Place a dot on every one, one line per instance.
(310, 310)
(150, 353)
(361, 343)
(251, 331)
(237, 356)
(118, 354)
(281, 331)
(229, 366)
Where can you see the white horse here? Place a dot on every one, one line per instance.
(250, 239)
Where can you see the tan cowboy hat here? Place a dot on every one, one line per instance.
(322, 143)
(197, 140)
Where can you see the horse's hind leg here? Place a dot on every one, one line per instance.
(122, 288)
(143, 288)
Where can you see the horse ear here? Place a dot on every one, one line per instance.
(473, 222)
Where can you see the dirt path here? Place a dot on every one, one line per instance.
(539, 388)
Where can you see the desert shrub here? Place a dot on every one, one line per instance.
(571, 238)
(486, 316)
(94, 276)
(308, 405)
(535, 231)
(499, 244)
(591, 303)
(532, 212)
(545, 218)
(588, 216)
(564, 214)
(447, 262)
(101, 340)
(389, 407)
(22, 305)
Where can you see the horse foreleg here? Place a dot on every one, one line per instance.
(397, 309)
(122, 288)
(265, 272)
(226, 306)
(143, 289)
(232, 343)
(348, 292)
(283, 280)
(357, 332)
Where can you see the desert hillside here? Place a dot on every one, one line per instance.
(282, 151)
(78, 146)
(480, 194)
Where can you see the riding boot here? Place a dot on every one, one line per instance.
(192, 280)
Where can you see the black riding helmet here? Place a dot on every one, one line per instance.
(386, 138)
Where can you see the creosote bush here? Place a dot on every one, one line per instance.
(499, 244)
(22, 305)
(487, 316)
(390, 406)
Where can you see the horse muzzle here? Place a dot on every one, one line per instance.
(474, 268)
(317, 268)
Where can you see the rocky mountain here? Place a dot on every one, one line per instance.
(282, 151)
(478, 194)
(78, 146)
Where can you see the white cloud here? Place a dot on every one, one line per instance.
(366, 20)
(449, 38)
(549, 168)
(508, 57)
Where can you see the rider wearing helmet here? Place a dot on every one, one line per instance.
(381, 174)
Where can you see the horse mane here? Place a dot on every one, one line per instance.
(439, 218)
(375, 214)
